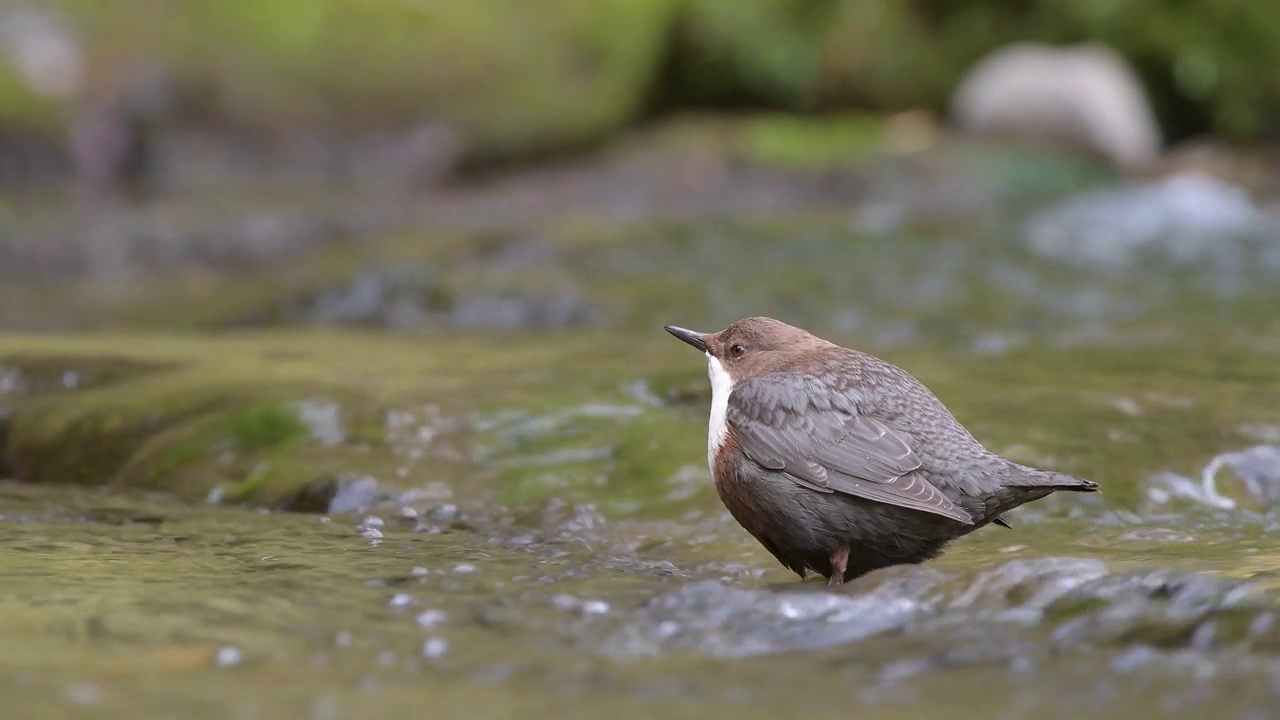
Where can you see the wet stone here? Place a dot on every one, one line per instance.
(995, 616)
(724, 621)
(1160, 608)
(415, 297)
(1188, 218)
(1027, 586)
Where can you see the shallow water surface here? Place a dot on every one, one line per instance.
(522, 525)
(552, 546)
(129, 605)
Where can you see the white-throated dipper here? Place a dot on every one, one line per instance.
(841, 463)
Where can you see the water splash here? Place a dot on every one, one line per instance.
(1257, 467)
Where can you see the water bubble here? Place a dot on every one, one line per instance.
(668, 628)
(569, 603)
(594, 607)
(430, 618)
(1258, 467)
(435, 647)
(1134, 658)
(228, 657)
(401, 600)
(789, 611)
(443, 513)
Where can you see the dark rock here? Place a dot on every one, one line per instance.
(415, 297)
(992, 616)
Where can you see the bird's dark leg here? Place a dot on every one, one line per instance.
(839, 562)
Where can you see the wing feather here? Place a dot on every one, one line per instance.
(791, 423)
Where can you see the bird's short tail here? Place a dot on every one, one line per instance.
(1025, 477)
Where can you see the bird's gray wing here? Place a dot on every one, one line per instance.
(794, 424)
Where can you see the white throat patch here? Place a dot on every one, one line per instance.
(717, 428)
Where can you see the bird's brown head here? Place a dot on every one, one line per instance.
(752, 347)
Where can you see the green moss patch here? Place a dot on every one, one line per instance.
(510, 77)
(280, 419)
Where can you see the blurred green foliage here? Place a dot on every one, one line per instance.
(516, 78)
(1208, 64)
(510, 76)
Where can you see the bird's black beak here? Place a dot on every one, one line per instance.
(689, 336)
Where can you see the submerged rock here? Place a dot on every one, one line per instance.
(715, 619)
(1184, 219)
(999, 613)
(416, 297)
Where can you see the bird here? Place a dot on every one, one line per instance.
(840, 463)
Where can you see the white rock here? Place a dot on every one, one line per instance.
(43, 51)
(1083, 95)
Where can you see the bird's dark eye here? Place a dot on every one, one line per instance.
(737, 350)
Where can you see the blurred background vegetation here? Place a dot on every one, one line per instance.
(413, 258)
(605, 166)
(518, 79)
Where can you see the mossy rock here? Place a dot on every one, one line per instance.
(285, 419)
(513, 420)
(232, 419)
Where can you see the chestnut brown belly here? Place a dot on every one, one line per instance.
(802, 527)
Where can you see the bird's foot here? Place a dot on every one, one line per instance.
(839, 563)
